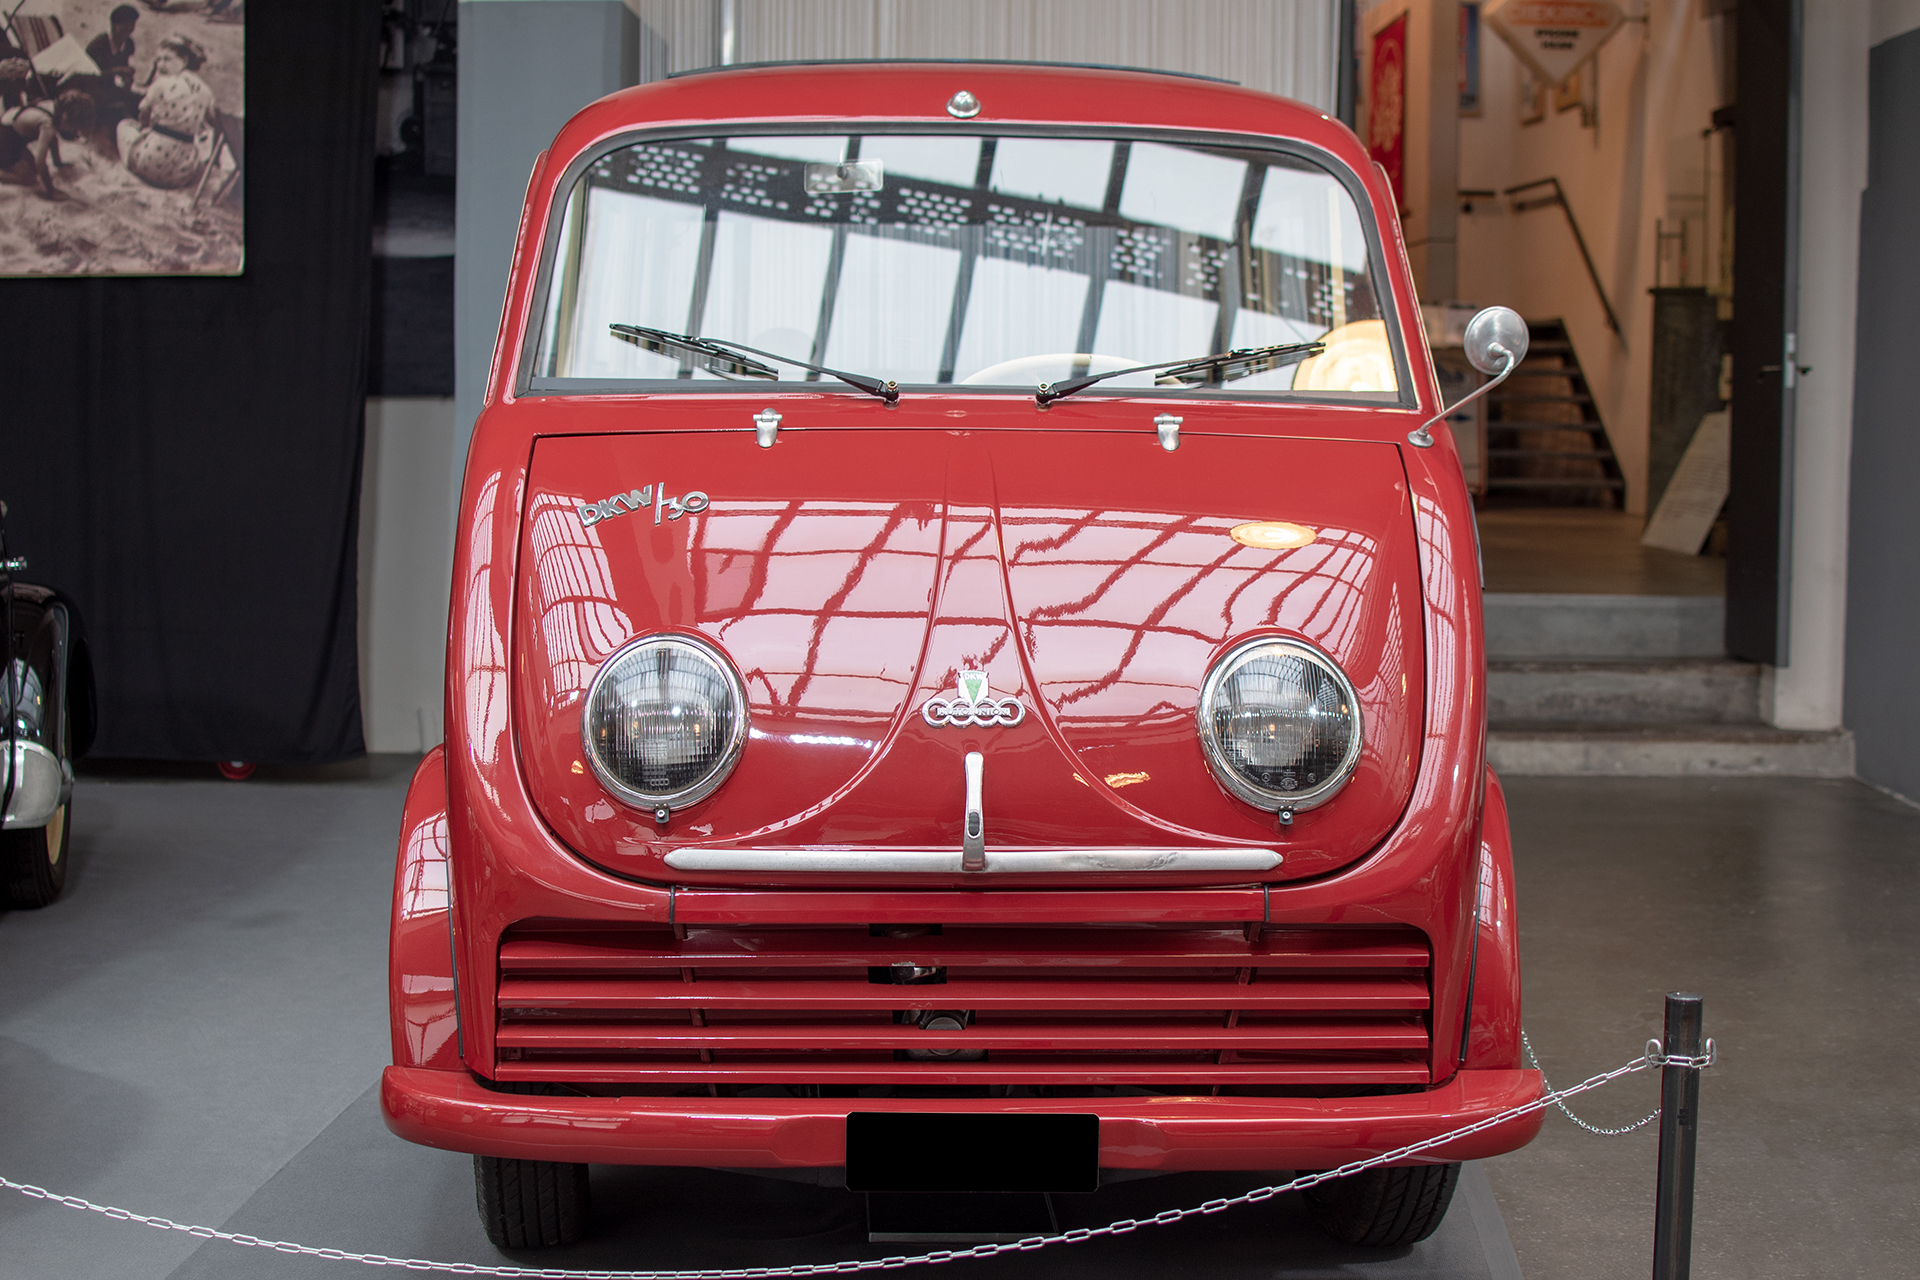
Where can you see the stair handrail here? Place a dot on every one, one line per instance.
(1559, 197)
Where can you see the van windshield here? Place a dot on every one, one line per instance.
(994, 262)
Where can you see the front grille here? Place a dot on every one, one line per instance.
(1152, 1007)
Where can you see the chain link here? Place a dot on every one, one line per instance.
(1652, 1059)
(1568, 1112)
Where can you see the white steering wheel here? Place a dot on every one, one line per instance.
(1055, 366)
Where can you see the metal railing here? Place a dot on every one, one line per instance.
(1559, 197)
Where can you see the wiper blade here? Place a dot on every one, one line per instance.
(1197, 371)
(724, 358)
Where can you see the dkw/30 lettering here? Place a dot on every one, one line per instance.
(649, 495)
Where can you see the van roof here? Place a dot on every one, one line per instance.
(943, 62)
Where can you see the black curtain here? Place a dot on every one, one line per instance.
(182, 456)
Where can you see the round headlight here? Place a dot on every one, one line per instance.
(1280, 724)
(664, 722)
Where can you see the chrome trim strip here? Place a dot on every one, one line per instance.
(949, 861)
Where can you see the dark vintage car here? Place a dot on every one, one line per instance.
(46, 695)
(963, 623)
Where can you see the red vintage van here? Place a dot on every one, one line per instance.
(960, 616)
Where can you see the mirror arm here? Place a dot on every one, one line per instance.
(1423, 439)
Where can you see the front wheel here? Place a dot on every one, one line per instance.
(531, 1204)
(33, 861)
(1384, 1208)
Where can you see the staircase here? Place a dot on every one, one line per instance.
(1633, 686)
(1546, 445)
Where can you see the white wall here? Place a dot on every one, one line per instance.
(1658, 85)
(1644, 160)
(1279, 46)
(406, 571)
(1892, 18)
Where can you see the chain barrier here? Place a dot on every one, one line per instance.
(1653, 1058)
(1534, 1062)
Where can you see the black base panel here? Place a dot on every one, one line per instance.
(968, 1219)
(952, 1152)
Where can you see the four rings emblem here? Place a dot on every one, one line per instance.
(973, 704)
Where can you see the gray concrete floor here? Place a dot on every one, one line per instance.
(1586, 551)
(194, 1029)
(205, 998)
(1791, 906)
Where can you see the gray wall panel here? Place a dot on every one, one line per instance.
(525, 67)
(1883, 556)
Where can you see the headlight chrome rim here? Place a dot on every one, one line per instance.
(1215, 752)
(724, 763)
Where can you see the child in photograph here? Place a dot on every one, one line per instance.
(33, 127)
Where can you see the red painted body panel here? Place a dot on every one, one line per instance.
(1090, 576)
(1493, 1038)
(448, 1110)
(419, 954)
(1401, 848)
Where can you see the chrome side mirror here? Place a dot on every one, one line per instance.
(1496, 343)
(1496, 340)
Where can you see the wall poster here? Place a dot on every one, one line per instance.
(122, 137)
(1553, 37)
(1387, 103)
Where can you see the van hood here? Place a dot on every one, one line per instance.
(853, 575)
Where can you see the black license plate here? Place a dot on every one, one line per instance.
(961, 1151)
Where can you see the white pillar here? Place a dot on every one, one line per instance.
(1806, 694)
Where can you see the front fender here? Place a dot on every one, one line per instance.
(55, 646)
(38, 704)
(1493, 1037)
(422, 1000)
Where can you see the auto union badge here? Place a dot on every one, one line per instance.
(973, 704)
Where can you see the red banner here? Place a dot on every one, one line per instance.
(1387, 102)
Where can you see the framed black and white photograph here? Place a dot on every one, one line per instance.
(122, 137)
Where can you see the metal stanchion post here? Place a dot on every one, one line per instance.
(1679, 1132)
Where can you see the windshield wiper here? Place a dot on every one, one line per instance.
(724, 358)
(1195, 371)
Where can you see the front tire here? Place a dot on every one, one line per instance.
(531, 1204)
(33, 861)
(1384, 1208)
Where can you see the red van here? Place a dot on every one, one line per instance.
(961, 616)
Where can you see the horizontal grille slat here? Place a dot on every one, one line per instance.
(706, 948)
(1323, 993)
(1032, 1038)
(1074, 1073)
(1178, 1007)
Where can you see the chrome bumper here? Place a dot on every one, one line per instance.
(952, 861)
(37, 782)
